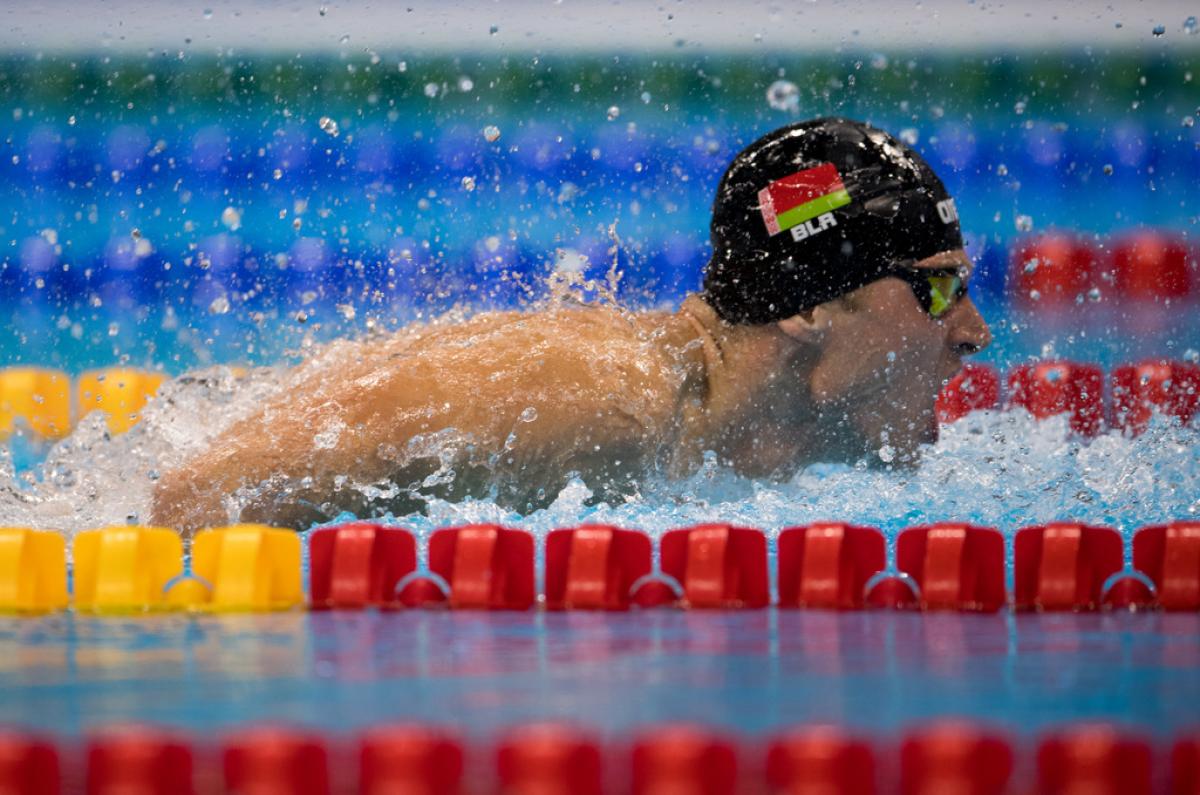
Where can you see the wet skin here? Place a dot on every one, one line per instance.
(614, 397)
(886, 359)
(836, 383)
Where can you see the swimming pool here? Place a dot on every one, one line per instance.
(233, 211)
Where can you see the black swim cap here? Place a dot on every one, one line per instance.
(815, 210)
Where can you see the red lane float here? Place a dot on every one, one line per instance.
(359, 565)
(28, 765)
(1151, 266)
(594, 567)
(549, 759)
(955, 757)
(270, 760)
(409, 759)
(955, 566)
(487, 566)
(138, 761)
(1185, 766)
(895, 592)
(1129, 592)
(821, 759)
(1137, 389)
(1169, 554)
(1053, 270)
(718, 565)
(1063, 566)
(1051, 388)
(1098, 760)
(976, 387)
(679, 759)
(827, 565)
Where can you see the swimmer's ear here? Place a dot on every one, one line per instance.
(808, 326)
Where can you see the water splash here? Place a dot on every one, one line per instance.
(784, 95)
(995, 468)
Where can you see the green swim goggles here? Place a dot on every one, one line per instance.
(937, 289)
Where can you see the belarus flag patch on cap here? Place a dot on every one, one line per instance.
(798, 197)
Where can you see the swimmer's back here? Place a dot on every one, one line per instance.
(503, 403)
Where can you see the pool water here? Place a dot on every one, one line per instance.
(749, 671)
(202, 226)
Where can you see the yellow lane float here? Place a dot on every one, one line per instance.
(38, 397)
(243, 567)
(119, 392)
(125, 569)
(33, 571)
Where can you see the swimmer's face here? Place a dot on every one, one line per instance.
(883, 360)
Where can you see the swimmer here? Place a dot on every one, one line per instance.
(833, 310)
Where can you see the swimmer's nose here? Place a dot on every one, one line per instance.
(969, 333)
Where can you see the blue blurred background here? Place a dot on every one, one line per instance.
(182, 185)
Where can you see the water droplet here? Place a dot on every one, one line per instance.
(529, 414)
(208, 13)
(1189, 121)
(219, 306)
(784, 95)
(277, 173)
(231, 218)
(431, 90)
(645, 97)
(910, 136)
(887, 453)
(322, 10)
(345, 39)
(613, 112)
(1019, 107)
(1094, 294)
(465, 84)
(1108, 169)
(1024, 223)
(70, 121)
(468, 183)
(1159, 30)
(114, 329)
(1002, 170)
(491, 133)
(1034, 295)
(1190, 26)
(493, 30)
(329, 126)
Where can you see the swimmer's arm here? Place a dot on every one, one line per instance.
(480, 393)
(273, 467)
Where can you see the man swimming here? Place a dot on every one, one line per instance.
(833, 310)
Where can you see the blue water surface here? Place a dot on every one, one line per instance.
(750, 671)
